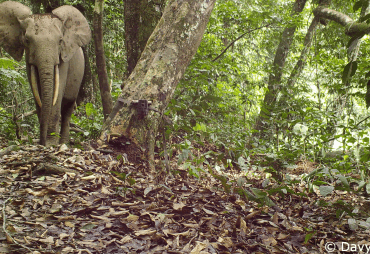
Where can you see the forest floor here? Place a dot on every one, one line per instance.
(70, 200)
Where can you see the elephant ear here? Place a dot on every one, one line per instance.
(76, 30)
(10, 29)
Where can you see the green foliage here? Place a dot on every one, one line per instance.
(90, 119)
(127, 180)
(14, 101)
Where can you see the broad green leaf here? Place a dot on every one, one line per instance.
(343, 179)
(326, 190)
(308, 237)
(368, 188)
(361, 185)
(259, 193)
(357, 6)
(365, 18)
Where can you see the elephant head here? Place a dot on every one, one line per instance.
(48, 40)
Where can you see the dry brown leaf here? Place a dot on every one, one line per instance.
(178, 206)
(105, 190)
(282, 236)
(243, 225)
(270, 241)
(125, 239)
(145, 232)
(119, 213)
(90, 177)
(226, 241)
(69, 224)
(104, 218)
(88, 243)
(49, 240)
(147, 190)
(55, 208)
(199, 247)
(252, 215)
(131, 218)
(63, 235)
(191, 225)
(63, 218)
(208, 211)
(37, 193)
(275, 218)
(186, 233)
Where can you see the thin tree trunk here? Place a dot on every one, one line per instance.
(302, 59)
(307, 44)
(86, 89)
(106, 96)
(162, 64)
(141, 17)
(274, 83)
(132, 26)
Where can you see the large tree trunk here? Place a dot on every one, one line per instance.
(106, 96)
(274, 83)
(162, 64)
(141, 17)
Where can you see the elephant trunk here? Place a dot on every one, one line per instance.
(34, 85)
(46, 78)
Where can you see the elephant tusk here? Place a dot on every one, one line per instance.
(56, 89)
(34, 86)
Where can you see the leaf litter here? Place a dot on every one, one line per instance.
(68, 200)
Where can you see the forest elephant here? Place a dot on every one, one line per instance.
(54, 60)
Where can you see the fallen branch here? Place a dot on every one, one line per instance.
(47, 168)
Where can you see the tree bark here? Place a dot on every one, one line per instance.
(86, 89)
(274, 83)
(307, 44)
(302, 58)
(132, 26)
(162, 64)
(353, 29)
(106, 96)
(140, 21)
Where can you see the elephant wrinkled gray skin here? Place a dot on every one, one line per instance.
(55, 63)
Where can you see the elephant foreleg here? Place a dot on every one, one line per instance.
(67, 109)
(53, 127)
